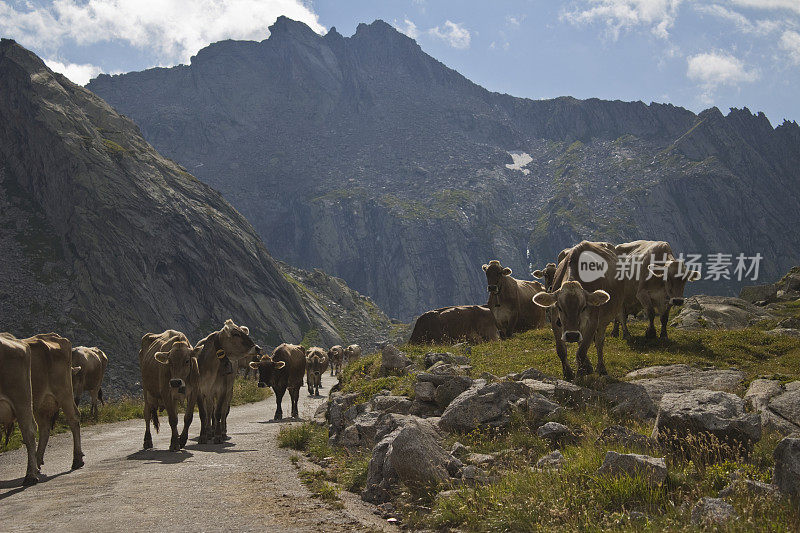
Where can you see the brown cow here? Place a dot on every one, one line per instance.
(169, 374)
(547, 273)
(511, 300)
(16, 399)
(92, 363)
(51, 385)
(316, 365)
(351, 353)
(335, 357)
(586, 297)
(471, 323)
(282, 370)
(217, 355)
(656, 287)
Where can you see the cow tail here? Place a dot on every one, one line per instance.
(154, 415)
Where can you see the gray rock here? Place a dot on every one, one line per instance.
(338, 405)
(654, 469)
(449, 390)
(319, 417)
(531, 373)
(540, 408)
(432, 358)
(484, 405)
(391, 404)
(712, 512)
(785, 332)
(459, 451)
(787, 466)
(556, 434)
(749, 487)
(624, 436)
(761, 391)
(705, 412)
(759, 293)
(472, 475)
(393, 361)
(424, 391)
(479, 459)
(718, 312)
(441, 373)
(552, 461)
(783, 410)
(424, 409)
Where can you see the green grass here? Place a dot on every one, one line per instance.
(318, 483)
(128, 408)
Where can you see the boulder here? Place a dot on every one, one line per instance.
(643, 389)
(759, 293)
(390, 404)
(761, 391)
(393, 361)
(424, 409)
(778, 404)
(787, 466)
(338, 405)
(484, 405)
(459, 451)
(654, 469)
(556, 434)
(451, 389)
(552, 461)
(785, 332)
(472, 475)
(441, 373)
(432, 358)
(705, 412)
(712, 512)
(424, 391)
(320, 415)
(718, 312)
(479, 459)
(749, 487)
(624, 436)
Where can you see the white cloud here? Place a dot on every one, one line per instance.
(408, 28)
(515, 21)
(456, 35)
(619, 15)
(742, 23)
(80, 74)
(791, 5)
(714, 69)
(790, 41)
(175, 29)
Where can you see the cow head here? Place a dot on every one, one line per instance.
(266, 369)
(78, 377)
(316, 359)
(235, 341)
(494, 278)
(574, 309)
(181, 361)
(675, 275)
(335, 353)
(548, 273)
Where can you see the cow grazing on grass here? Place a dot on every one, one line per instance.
(335, 358)
(283, 370)
(316, 365)
(470, 323)
(92, 363)
(656, 287)
(16, 399)
(511, 300)
(585, 296)
(218, 355)
(51, 386)
(169, 374)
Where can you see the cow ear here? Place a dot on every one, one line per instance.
(162, 357)
(545, 299)
(280, 364)
(485, 267)
(506, 271)
(538, 274)
(254, 364)
(75, 370)
(598, 297)
(693, 275)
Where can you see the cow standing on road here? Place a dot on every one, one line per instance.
(586, 296)
(283, 370)
(316, 365)
(169, 374)
(335, 358)
(351, 353)
(92, 363)
(511, 300)
(16, 399)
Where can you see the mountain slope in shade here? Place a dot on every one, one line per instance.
(368, 158)
(103, 239)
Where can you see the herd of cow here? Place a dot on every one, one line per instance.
(43, 374)
(579, 307)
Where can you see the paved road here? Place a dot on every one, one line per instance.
(246, 484)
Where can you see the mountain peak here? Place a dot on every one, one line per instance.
(286, 27)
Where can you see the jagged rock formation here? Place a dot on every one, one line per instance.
(370, 159)
(103, 239)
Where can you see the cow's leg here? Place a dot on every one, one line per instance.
(310, 384)
(651, 329)
(27, 428)
(148, 438)
(191, 400)
(279, 391)
(172, 415)
(44, 421)
(581, 357)
(205, 420)
(95, 401)
(664, 320)
(615, 331)
(561, 350)
(294, 394)
(599, 342)
(74, 421)
(625, 333)
(647, 305)
(226, 409)
(219, 412)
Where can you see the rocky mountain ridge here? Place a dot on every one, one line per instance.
(368, 158)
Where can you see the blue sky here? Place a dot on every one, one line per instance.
(692, 53)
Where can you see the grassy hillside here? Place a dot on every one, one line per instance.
(520, 497)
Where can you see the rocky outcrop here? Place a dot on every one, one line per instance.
(719, 312)
(777, 403)
(712, 512)
(787, 466)
(104, 239)
(351, 152)
(653, 469)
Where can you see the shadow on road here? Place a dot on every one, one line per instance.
(225, 447)
(282, 421)
(16, 484)
(165, 457)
